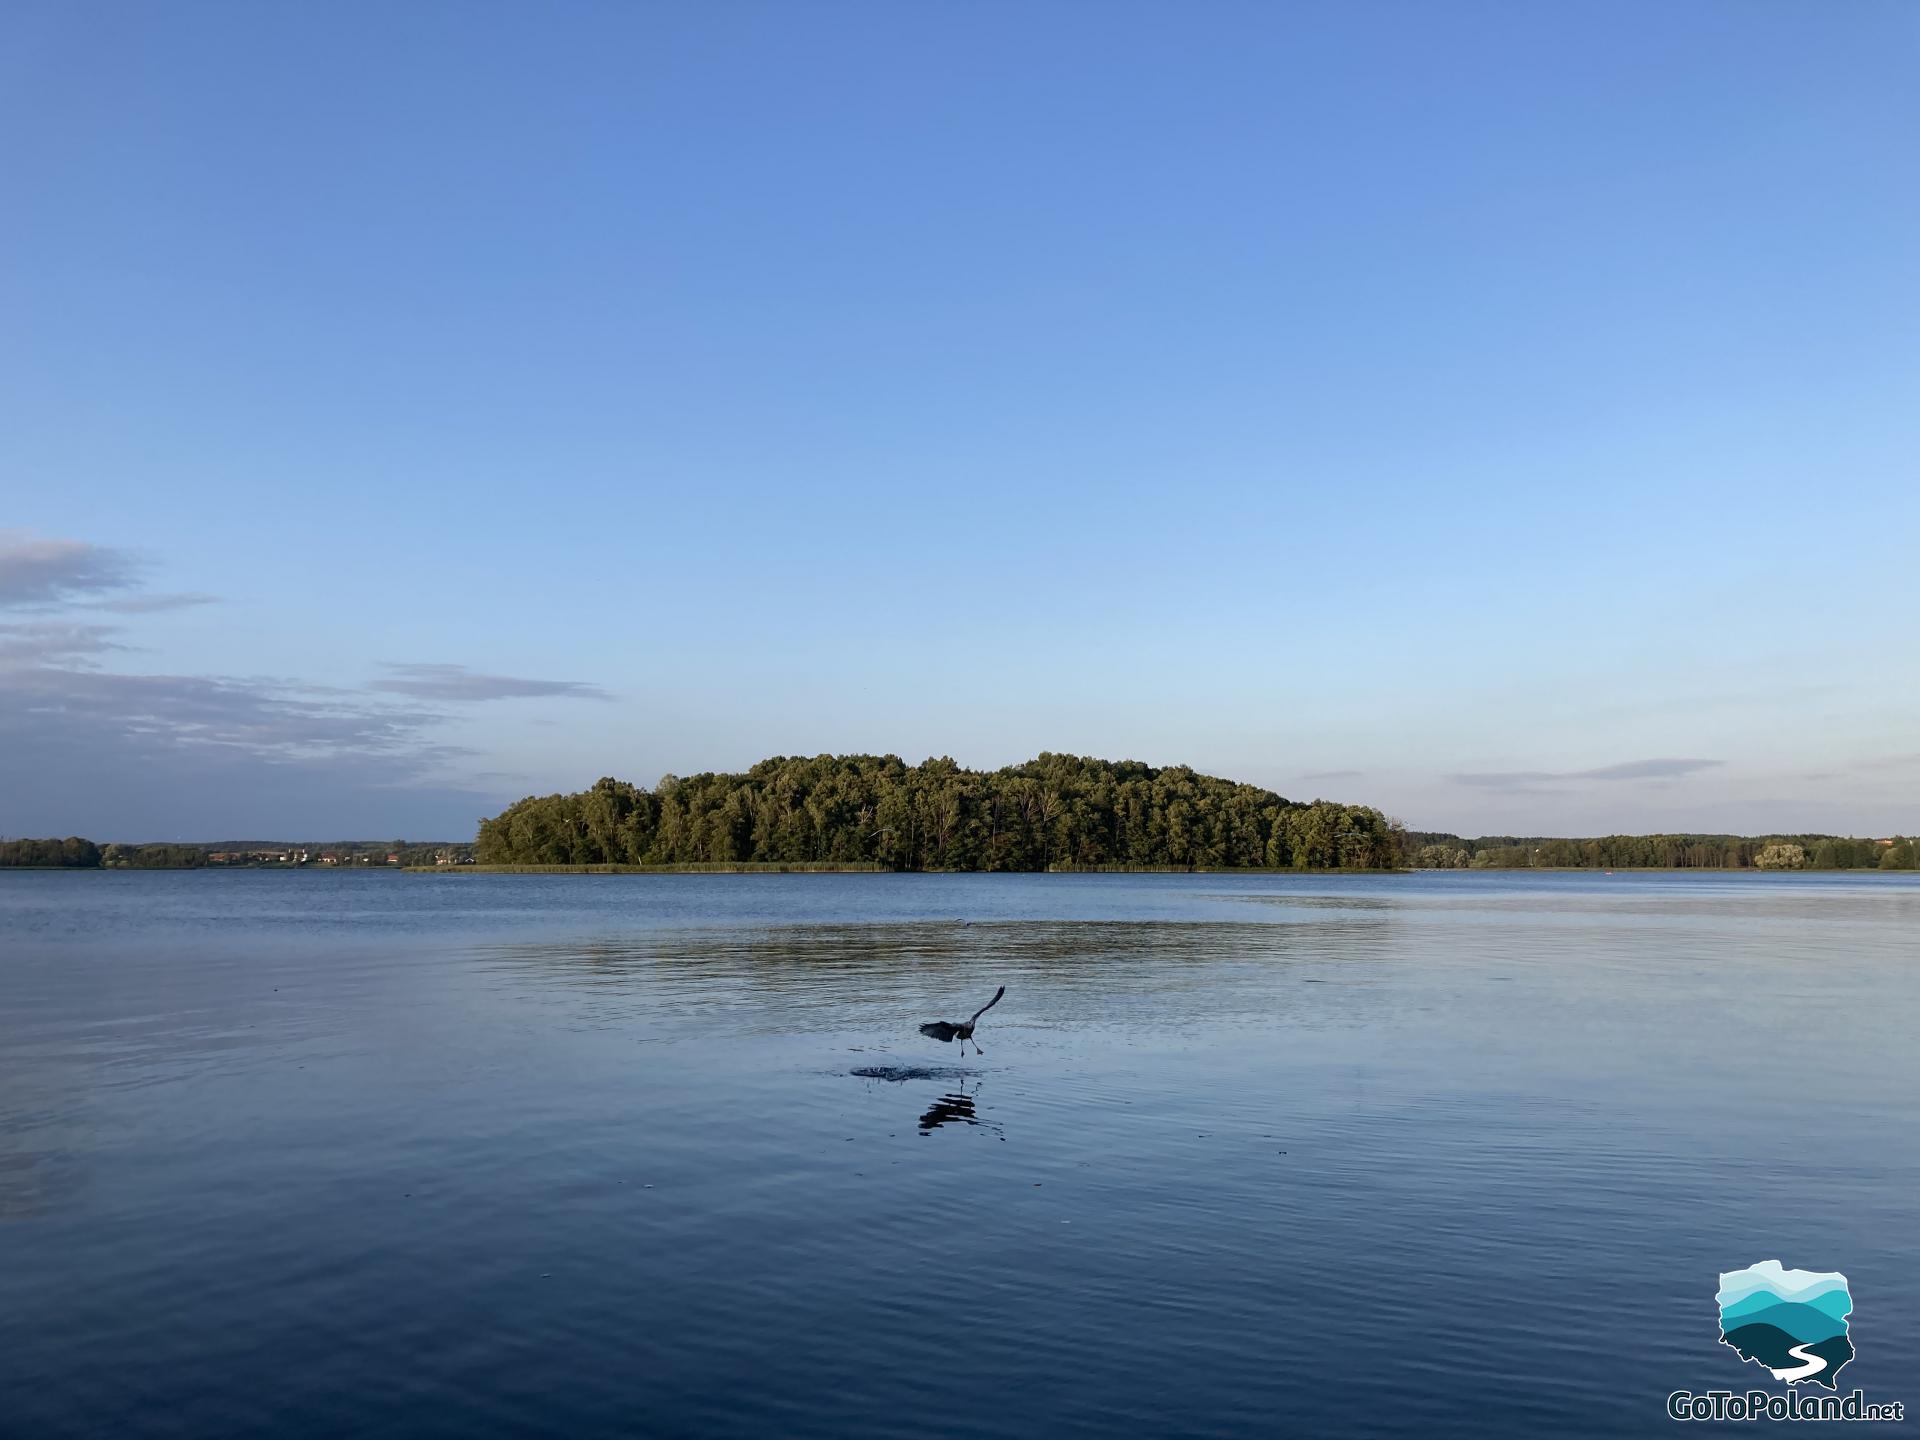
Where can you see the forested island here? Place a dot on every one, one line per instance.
(1056, 811)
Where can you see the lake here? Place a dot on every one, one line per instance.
(316, 1154)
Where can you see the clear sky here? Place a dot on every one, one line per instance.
(1503, 414)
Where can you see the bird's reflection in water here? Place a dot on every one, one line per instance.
(956, 1108)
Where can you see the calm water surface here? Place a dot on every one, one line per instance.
(385, 1155)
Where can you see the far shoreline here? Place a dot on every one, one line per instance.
(824, 868)
(802, 867)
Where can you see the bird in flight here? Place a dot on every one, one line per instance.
(963, 1032)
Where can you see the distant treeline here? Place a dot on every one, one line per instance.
(74, 853)
(1054, 810)
(1434, 850)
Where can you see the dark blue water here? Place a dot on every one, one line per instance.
(386, 1155)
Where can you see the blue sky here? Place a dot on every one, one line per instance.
(1505, 415)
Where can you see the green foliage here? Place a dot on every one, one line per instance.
(715, 867)
(72, 853)
(1056, 810)
(1426, 850)
(157, 857)
(1838, 852)
(75, 853)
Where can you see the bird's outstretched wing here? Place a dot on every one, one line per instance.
(990, 1004)
(939, 1030)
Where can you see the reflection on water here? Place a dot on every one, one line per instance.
(316, 1155)
(956, 1108)
(883, 979)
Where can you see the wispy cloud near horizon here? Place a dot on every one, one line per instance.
(1890, 762)
(459, 684)
(52, 642)
(1661, 768)
(37, 571)
(84, 746)
(154, 604)
(47, 573)
(191, 756)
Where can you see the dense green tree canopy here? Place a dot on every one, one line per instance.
(1055, 810)
(1433, 851)
(72, 853)
(153, 857)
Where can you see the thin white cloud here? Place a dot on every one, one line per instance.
(39, 571)
(457, 683)
(87, 748)
(89, 751)
(45, 573)
(1662, 768)
(266, 718)
(151, 604)
(52, 642)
